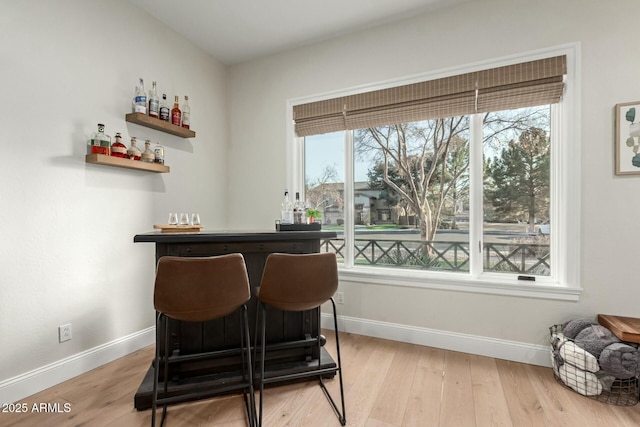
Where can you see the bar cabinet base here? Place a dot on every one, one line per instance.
(177, 387)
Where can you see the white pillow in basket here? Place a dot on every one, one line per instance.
(578, 357)
(583, 382)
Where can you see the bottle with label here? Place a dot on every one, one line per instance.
(165, 113)
(100, 142)
(134, 152)
(298, 213)
(158, 152)
(286, 210)
(118, 149)
(186, 113)
(148, 156)
(176, 114)
(154, 102)
(140, 99)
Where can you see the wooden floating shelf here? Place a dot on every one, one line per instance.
(157, 124)
(102, 159)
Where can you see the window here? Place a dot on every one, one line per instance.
(476, 200)
(324, 161)
(516, 192)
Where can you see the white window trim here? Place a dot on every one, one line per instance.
(565, 189)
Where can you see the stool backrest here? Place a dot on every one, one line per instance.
(297, 282)
(197, 289)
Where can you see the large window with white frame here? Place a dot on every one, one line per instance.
(479, 200)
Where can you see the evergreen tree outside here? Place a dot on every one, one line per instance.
(518, 180)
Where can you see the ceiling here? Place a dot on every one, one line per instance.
(235, 31)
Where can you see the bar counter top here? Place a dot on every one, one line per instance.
(211, 236)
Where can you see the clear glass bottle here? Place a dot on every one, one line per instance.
(134, 152)
(148, 156)
(154, 102)
(118, 149)
(286, 210)
(140, 98)
(176, 114)
(186, 113)
(298, 213)
(165, 113)
(100, 142)
(158, 152)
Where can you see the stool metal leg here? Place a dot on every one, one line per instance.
(263, 326)
(156, 363)
(341, 416)
(262, 309)
(247, 368)
(161, 325)
(163, 361)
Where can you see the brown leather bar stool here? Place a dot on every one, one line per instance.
(198, 289)
(299, 282)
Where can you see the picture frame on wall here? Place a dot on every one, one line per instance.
(627, 142)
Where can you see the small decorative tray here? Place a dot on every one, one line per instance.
(314, 226)
(166, 228)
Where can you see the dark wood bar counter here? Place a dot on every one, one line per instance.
(287, 330)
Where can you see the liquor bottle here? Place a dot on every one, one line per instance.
(298, 213)
(134, 152)
(286, 211)
(100, 143)
(140, 99)
(148, 156)
(118, 149)
(154, 101)
(186, 113)
(176, 114)
(165, 113)
(158, 152)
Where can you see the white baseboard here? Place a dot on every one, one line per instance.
(21, 386)
(472, 344)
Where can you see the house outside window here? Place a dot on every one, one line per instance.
(463, 201)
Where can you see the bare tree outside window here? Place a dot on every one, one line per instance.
(423, 166)
(325, 191)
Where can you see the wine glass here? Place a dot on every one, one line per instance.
(184, 219)
(173, 219)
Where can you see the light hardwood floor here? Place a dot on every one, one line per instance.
(386, 384)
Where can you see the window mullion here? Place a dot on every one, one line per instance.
(475, 195)
(557, 152)
(349, 202)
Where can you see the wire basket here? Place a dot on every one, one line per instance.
(580, 371)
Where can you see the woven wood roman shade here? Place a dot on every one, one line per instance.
(513, 86)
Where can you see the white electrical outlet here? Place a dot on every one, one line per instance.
(340, 297)
(64, 332)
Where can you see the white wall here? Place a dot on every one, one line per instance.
(467, 33)
(66, 227)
